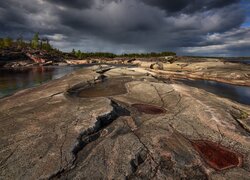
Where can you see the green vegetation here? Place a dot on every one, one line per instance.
(35, 43)
(82, 55)
(6, 42)
(152, 54)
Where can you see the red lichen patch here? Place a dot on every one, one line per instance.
(149, 109)
(217, 156)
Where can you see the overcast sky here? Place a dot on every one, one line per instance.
(188, 27)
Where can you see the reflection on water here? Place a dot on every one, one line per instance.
(14, 80)
(240, 94)
(110, 87)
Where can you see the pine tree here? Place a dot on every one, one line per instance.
(35, 41)
(79, 54)
(7, 42)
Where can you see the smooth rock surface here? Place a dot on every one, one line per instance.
(49, 133)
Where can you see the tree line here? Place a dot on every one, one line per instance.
(35, 43)
(82, 55)
(43, 44)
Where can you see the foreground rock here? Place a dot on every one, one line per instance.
(129, 125)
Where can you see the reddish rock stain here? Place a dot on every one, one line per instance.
(149, 109)
(217, 156)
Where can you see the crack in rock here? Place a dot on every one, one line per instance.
(141, 156)
(92, 134)
(139, 159)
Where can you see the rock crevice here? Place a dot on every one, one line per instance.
(92, 134)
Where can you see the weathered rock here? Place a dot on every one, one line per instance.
(147, 132)
(102, 69)
(157, 66)
(232, 73)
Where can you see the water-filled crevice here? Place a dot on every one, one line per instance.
(149, 109)
(217, 156)
(92, 134)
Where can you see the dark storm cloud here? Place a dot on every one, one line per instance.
(189, 6)
(78, 4)
(185, 26)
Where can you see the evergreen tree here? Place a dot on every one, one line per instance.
(79, 54)
(7, 42)
(35, 41)
(45, 44)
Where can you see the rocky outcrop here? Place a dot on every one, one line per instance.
(157, 66)
(18, 64)
(152, 130)
(231, 73)
(26, 57)
(12, 55)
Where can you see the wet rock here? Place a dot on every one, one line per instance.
(102, 88)
(148, 109)
(217, 156)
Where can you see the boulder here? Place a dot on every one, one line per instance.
(157, 66)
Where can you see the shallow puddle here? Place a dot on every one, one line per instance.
(149, 109)
(217, 156)
(109, 87)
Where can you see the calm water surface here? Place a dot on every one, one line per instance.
(239, 94)
(14, 80)
(244, 61)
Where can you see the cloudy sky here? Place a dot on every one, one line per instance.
(188, 27)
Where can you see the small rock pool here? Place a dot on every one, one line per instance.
(236, 93)
(109, 87)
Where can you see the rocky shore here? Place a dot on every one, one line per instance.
(27, 57)
(127, 123)
(185, 67)
(172, 67)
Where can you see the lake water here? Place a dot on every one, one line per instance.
(239, 94)
(14, 80)
(244, 61)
